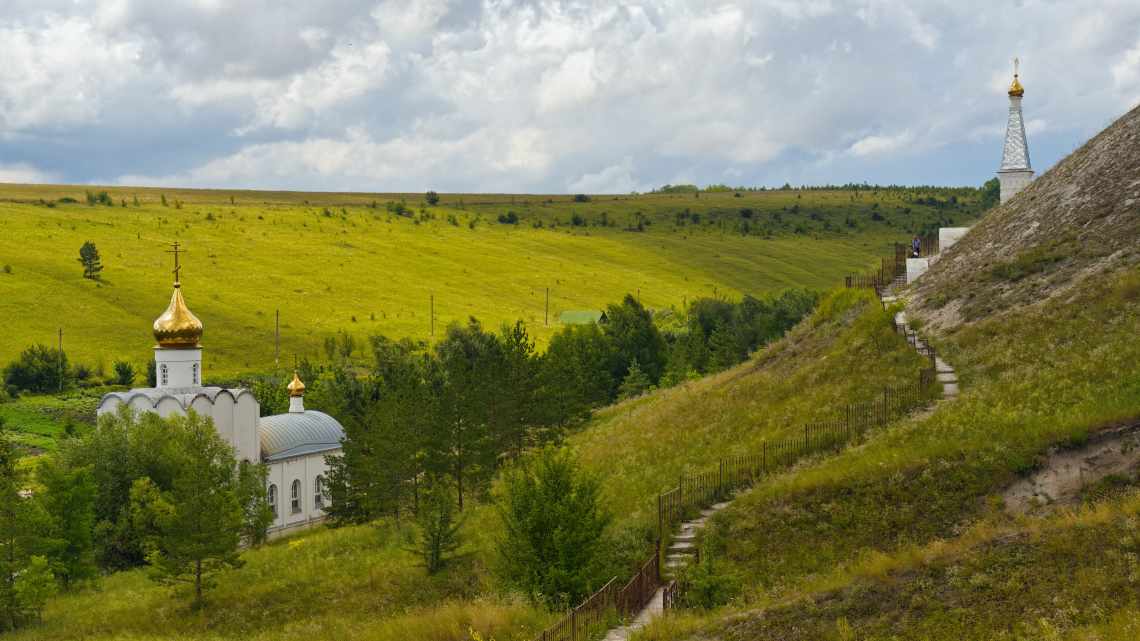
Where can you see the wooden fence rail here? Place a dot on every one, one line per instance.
(593, 616)
(695, 491)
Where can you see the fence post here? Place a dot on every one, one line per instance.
(764, 459)
(681, 491)
(720, 480)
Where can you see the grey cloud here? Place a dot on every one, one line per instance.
(549, 95)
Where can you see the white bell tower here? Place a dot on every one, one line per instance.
(178, 355)
(1015, 172)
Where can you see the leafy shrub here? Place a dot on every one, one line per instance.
(38, 369)
(581, 198)
(1026, 263)
(68, 200)
(124, 373)
(509, 218)
(708, 584)
(553, 523)
(431, 198)
(7, 269)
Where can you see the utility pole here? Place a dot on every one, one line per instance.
(546, 319)
(60, 360)
(431, 312)
(277, 341)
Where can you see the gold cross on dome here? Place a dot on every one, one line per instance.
(176, 249)
(1016, 63)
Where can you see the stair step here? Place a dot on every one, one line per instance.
(683, 546)
(950, 389)
(947, 377)
(685, 537)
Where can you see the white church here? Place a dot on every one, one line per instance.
(293, 445)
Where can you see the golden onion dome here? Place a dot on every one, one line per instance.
(1015, 89)
(178, 327)
(296, 388)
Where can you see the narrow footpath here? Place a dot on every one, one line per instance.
(683, 550)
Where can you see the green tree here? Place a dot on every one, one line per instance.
(438, 528)
(636, 382)
(124, 373)
(630, 327)
(35, 585)
(69, 499)
(201, 534)
(575, 374)
(257, 514)
(432, 198)
(517, 390)
(552, 524)
(89, 258)
(22, 524)
(460, 443)
(39, 368)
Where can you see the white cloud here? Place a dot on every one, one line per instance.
(615, 179)
(25, 173)
(571, 84)
(57, 72)
(880, 145)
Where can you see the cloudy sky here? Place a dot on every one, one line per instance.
(514, 95)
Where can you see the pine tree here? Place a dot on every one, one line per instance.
(69, 498)
(635, 382)
(202, 533)
(552, 524)
(89, 258)
(438, 527)
(35, 585)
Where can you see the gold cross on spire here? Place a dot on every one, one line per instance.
(176, 249)
(1016, 63)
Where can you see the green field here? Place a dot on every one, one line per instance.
(348, 262)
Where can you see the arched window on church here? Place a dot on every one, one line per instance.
(163, 375)
(295, 496)
(273, 499)
(319, 492)
(194, 374)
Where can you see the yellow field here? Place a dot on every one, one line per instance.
(332, 262)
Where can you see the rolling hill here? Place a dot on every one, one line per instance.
(374, 263)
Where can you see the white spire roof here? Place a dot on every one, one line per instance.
(1015, 150)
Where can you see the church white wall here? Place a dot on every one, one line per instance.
(305, 469)
(247, 412)
(234, 419)
(183, 367)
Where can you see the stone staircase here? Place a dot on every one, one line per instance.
(683, 549)
(943, 372)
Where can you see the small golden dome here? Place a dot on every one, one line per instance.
(178, 327)
(296, 388)
(1015, 89)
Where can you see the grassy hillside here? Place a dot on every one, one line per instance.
(357, 583)
(907, 536)
(332, 262)
(846, 352)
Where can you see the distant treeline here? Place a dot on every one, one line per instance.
(455, 411)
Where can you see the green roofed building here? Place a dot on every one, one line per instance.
(582, 317)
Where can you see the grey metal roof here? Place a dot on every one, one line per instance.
(298, 433)
(183, 395)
